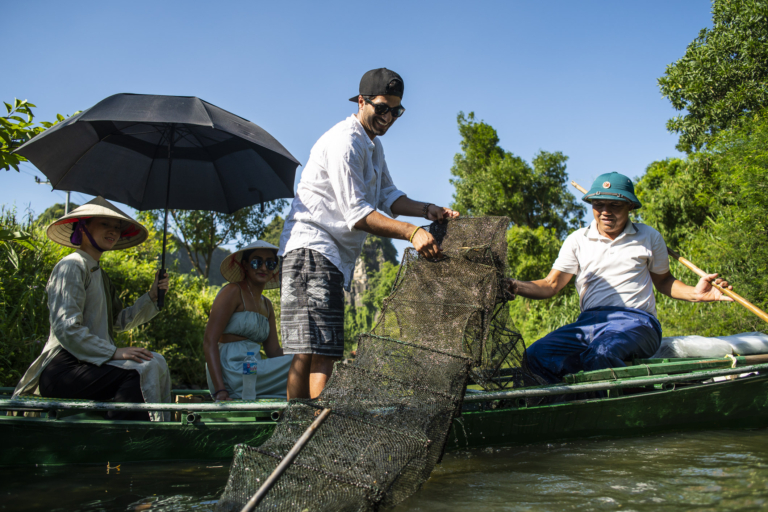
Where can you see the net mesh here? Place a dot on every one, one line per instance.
(445, 323)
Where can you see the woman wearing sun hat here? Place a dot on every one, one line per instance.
(243, 320)
(80, 359)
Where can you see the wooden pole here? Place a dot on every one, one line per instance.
(696, 270)
(287, 461)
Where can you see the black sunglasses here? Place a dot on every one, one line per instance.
(381, 109)
(257, 262)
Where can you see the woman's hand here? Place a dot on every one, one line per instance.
(222, 396)
(163, 284)
(132, 354)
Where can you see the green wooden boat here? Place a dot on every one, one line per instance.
(647, 397)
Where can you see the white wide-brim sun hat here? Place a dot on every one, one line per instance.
(132, 233)
(232, 268)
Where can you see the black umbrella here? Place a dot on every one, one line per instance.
(159, 152)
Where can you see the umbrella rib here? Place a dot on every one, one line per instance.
(215, 167)
(157, 148)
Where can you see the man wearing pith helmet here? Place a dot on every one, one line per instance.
(343, 186)
(617, 263)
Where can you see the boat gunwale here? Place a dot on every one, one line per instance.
(39, 404)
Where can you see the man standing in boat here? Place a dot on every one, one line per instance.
(616, 263)
(345, 181)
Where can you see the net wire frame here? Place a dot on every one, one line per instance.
(446, 323)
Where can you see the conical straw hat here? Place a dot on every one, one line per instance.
(232, 267)
(61, 230)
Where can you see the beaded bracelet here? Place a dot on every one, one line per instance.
(425, 210)
(410, 240)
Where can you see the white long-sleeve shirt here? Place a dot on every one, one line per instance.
(346, 178)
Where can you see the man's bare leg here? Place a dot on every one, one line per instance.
(319, 373)
(298, 376)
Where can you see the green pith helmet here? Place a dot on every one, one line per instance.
(612, 187)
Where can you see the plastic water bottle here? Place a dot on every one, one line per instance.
(249, 376)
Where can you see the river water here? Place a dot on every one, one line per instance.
(723, 470)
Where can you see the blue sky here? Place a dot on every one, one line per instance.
(576, 77)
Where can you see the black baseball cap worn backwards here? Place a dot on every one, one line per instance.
(380, 82)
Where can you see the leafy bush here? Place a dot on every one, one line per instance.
(530, 255)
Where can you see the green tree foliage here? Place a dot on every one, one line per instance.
(359, 320)
(200, 232)
(491, 181)
(723, 76)
(54, 212)
(721, 198)
(380, 259)
(679, 196)
(530, 255)
(273, 231)
(16, 128)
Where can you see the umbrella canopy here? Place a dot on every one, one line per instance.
(119, 149)
(159, 152)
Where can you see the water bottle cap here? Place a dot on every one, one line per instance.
(250, 353)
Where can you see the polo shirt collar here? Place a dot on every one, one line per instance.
(593, 234)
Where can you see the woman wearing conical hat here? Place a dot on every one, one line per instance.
(80, 359)
(243, 320)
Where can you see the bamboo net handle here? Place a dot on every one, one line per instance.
(696, 270)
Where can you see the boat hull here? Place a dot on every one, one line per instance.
(740, 403)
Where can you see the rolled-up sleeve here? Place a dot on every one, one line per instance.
(345, 164)
(66, 303)
(389, 192)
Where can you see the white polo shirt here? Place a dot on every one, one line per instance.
(614, 272)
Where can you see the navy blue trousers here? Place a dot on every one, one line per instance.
(600, 338)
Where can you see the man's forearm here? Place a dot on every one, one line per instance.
(675, 289)
(538, 290)
(408, 207)
(381, 225)
(681, 291)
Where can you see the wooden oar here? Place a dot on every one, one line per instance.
(730, 293)
(287, 461)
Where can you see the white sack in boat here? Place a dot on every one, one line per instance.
(692, 346)
(743, 344)
(748, 343)
(155, 382)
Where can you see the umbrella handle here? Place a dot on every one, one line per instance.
(161, 292)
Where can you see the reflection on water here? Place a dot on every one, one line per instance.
(726, 470)
(167, 487)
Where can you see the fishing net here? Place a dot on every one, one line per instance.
(445, 323)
